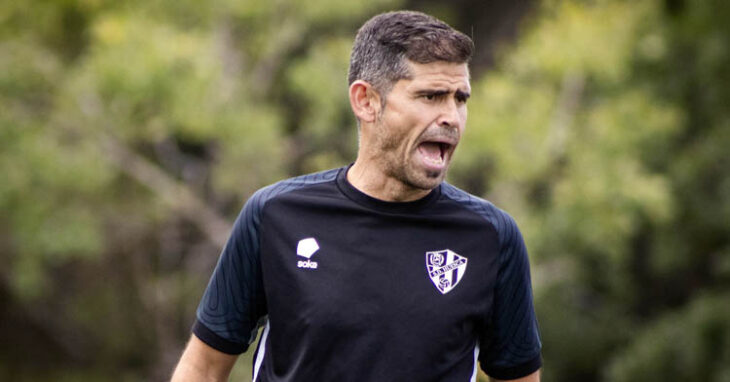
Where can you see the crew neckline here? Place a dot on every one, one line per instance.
(366, 200)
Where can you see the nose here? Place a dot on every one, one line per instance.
(450, 115)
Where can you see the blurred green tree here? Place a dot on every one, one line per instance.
(131, 133)
(604, 132)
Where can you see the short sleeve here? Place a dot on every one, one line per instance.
(234, 303)
(510, 345)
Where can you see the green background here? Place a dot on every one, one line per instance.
(132, 132)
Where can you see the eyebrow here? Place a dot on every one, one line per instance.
(433, 92)
(441, 92)
(465, 95)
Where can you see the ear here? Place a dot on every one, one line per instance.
(365, 101)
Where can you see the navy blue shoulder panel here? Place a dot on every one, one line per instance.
(510, 346)
(234, 305)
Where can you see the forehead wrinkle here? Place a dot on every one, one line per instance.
(435, 76)
(438, 85)
(440, 81)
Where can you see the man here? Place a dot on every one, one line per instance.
(378, 271)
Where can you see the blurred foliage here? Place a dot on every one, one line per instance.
(690, 345)
(132, 132)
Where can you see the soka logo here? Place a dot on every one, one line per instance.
(306, 248)
(445, 268)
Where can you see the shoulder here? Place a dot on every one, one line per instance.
(265, 194)
(500, 220)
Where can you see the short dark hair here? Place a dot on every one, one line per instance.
(384, 42)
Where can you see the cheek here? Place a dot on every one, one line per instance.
(401, 125)
(389, 134)
(463, 115)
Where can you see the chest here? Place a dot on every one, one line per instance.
(344, 268)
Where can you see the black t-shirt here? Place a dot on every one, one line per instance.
(352, 288)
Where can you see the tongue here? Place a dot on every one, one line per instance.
(431, 150)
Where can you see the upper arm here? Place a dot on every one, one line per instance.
(510, 343)
(201, 362)
(234, 301)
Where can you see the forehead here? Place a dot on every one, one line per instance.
(439, 74)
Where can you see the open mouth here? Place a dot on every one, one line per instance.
(434, 152)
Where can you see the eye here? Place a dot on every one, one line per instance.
(435, 96)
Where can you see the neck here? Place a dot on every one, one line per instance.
(369, 178)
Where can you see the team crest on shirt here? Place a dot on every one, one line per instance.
(445, 269)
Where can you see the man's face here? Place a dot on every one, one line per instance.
(416, 133)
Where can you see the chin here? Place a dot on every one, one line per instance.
(427, 180)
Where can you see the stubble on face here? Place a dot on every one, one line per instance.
(396, 147)
(396, 161)
(399, 168)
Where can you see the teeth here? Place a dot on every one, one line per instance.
(433, 153)
(440, 160)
